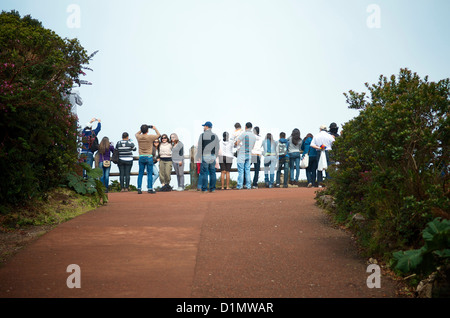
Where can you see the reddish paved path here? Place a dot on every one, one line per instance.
(264, 243)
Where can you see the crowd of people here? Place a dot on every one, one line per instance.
(160, 153)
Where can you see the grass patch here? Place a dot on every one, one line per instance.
(57, 206)
(21, 225)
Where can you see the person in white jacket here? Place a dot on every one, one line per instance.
(225, 160)
(322, 142)
(256, 156)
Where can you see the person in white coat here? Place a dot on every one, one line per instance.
(323, 143)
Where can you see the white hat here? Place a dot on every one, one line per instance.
(323, 127)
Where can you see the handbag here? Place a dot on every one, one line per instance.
(322, 161)
(304, 163)
(106, 163)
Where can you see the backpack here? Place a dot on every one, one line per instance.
(282, 149)
(115, 156)
(93, 142)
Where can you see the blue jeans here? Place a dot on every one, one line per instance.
(145, 163)
(208, 169)
(88, 157)
(283, 163)
(243, 166)
(294, 160)
(270, 163)
(311, 170)
(105, 177)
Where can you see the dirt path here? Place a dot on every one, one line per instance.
(264, 243)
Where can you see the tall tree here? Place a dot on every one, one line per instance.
(38, 132)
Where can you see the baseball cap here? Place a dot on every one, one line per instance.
(208, 124)
(323, 127)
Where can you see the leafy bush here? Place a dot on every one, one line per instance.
(435, 252)
(90, 185)
(38, 132)
(393, 159)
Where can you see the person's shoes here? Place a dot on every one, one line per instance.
(180, 189)
(139, 191)
(309, 185)
(151, 191)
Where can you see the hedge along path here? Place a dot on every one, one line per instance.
(234, 243)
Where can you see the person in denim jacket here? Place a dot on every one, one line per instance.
(283, 159)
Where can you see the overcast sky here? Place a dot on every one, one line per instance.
(280, 64)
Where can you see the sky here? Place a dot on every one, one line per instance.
(279, 64)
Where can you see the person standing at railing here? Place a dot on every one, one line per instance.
(90, 144)
(245, 142)
(226, 160)
(105, 150)
(256, 156)
(207, 150)
(156, 143)
(178, 160)
(145, 142)
(125, 148)
(294, 152)
(270, 159)
(165, 163)
(322, 142)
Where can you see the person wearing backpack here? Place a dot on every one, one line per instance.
(90, 142)
(125, 148)
(283, 160)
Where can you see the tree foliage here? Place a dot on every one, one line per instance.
(393, 159)
(38, 132)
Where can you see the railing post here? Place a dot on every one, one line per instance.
(193, 169)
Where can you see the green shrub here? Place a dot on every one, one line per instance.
(38, 132)
(393, 159)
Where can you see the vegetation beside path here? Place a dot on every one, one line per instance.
(35, 218)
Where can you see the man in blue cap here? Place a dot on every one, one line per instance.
(208, 149)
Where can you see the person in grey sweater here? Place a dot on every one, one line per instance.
(178, 160)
